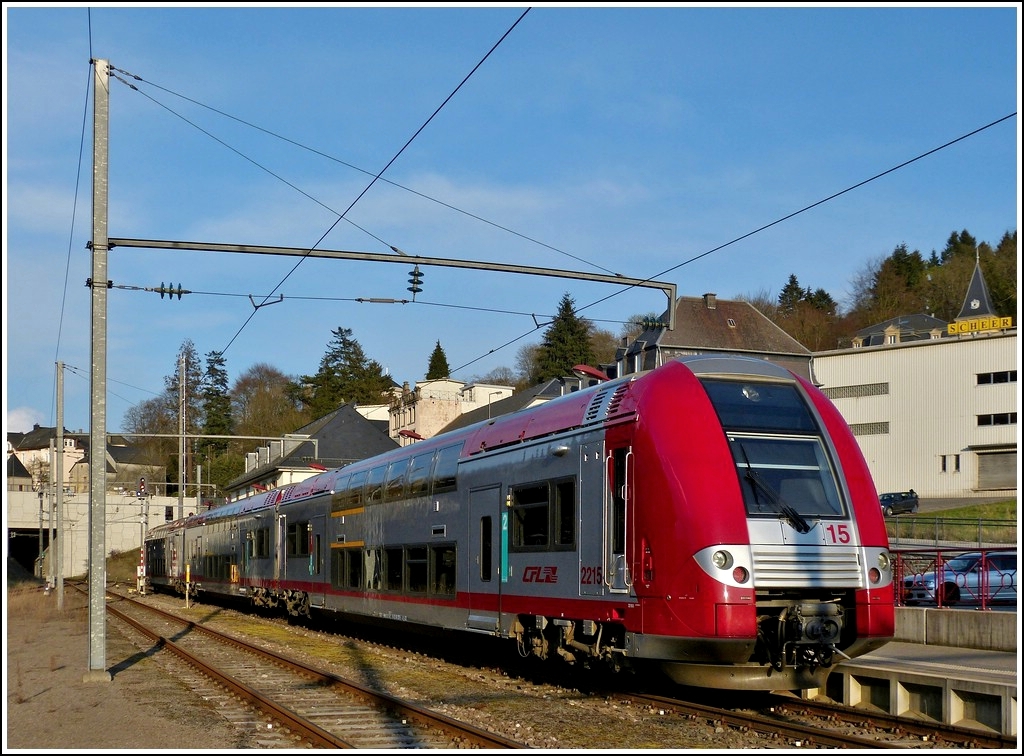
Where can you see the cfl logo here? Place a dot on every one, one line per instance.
(535, 574)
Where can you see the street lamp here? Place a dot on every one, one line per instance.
(493, 393)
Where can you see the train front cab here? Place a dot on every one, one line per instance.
(751, 506)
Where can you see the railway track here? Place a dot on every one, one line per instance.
(796, 722)
(301, 705)
(780, 721)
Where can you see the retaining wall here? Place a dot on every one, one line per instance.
(958, 628)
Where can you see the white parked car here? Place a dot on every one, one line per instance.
(975, 577)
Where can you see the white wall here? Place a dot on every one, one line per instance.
(931, 408)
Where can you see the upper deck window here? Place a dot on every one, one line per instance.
(748, 406)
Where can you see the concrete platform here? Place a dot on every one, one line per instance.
(956, 686)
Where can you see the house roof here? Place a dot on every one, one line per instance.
(341, 437)
(911, 328)
(708, 323)
(15, 469)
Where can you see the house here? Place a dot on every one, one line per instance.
(531, 397)
(125, 463)
(709, 324)
(18, 478)
(334, 440)
(434, 404)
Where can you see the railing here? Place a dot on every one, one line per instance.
(935, 577)
(914, 530)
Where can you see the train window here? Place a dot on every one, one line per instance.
(261, 543)
(341, 499)
(338, 565)
(565, 514)
(530, 516)
(353, 569)
(374, 490)
(393, 569)
(485, 549)
(784, 474)
(297, 539)
(759, 406)
(445, 468)
(394, 483)
(442, 569)
(355, 489)
(419, 474)
(372, 559)
(416, 569)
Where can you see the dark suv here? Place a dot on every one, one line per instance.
(899, 502)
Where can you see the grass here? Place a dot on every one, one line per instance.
(988, 523)
(997, 510)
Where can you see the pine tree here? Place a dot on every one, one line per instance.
(345, 375)
(566, 343)
(216, 403)
(438, 367)
(790, 297)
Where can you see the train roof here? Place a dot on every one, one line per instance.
(610, 401)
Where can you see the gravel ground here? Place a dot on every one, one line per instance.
(54, 701)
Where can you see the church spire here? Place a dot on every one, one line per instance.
(977, 303)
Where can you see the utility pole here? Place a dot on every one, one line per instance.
(98, 383)
(181, 438)
(51, 574)
(60, 486)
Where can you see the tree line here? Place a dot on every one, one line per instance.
(263, 402)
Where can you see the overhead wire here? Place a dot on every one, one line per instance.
(627, 287)
(378, 175)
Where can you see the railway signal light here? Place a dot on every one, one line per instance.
(415, 278)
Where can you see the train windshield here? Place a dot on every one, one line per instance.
(783, 468)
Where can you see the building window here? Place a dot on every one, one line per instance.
(998, 418)
(1001, 376)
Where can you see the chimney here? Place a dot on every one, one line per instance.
(709, 301)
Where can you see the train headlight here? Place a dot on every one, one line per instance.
(883, 561)
(740, 575)
(722, 560)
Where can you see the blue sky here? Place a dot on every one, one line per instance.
(645, 141)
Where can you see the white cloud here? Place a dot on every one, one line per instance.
(22, 419)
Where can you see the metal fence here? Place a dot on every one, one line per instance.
(915, 531)
(982, 578)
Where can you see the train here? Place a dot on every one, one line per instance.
(712, 518)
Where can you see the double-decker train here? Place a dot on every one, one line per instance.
(713, 517)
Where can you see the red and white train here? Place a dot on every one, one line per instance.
(714, 517)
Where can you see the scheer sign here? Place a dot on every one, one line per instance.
(535, 574)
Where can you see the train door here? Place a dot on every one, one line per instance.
(488, 558)
(618, 502)
(590, 514)
(316, 559)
